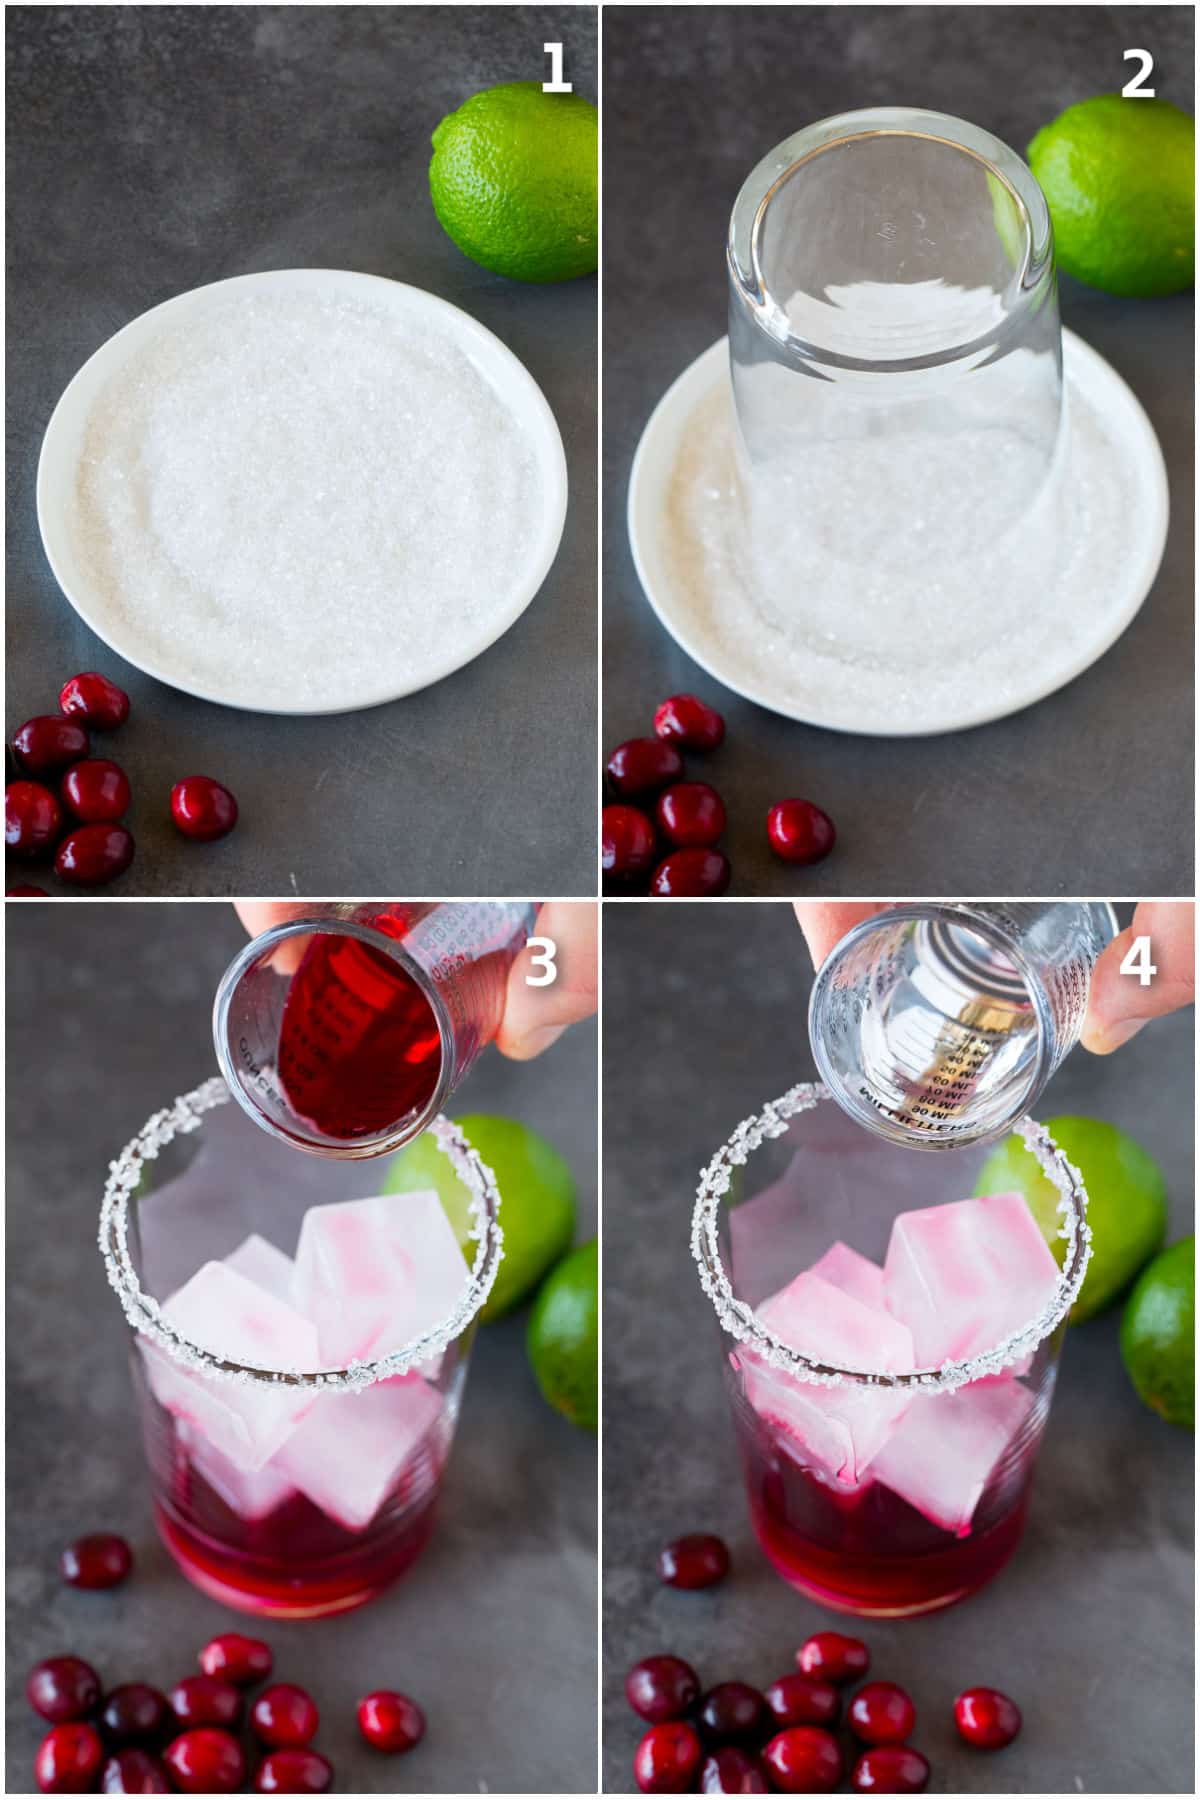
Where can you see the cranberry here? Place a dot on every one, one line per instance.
(206, 1761)
(101, 1560)
(891, 1769)
(667, 1759)
(804, 1760)
(68, 1760)
(202, 808)
(686, 720)
(203, 1700)
(661, 1687)
(133, 1713)
(732, 1712)
(695, 1561)
(25, 893)
(881, 1713)
(687, 874)
(62, 1687)
(294, 1772)
(642, 766)
(285, 1716)
(797, 1700)
(134, 1772)
(93, 855)
(49, 742)
(799, 831)
(732, 1771)
(95, 699)
(242, 1660)
(987, 1718)
(33, 820)
(626, 842)
(691, 813)
(830, 1656)
(97, 791)
(391, 1722)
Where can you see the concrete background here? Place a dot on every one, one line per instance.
(153, 149)
(493, 1631)
(1088, 792)
(1090, 1628)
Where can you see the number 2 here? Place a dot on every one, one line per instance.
(1133, 89)
(556, 84)
(544, 952)
(1137, 962)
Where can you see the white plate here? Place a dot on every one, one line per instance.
(669, 594)
(515, 386)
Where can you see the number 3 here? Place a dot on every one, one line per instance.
(1137, 962)
(1133, 89)
(544, 952)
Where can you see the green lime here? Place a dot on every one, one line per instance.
(562, 1339)
(1127, 1201)
(537, 1199)
(1119, 178)
(514, 181)
(1158, 1334)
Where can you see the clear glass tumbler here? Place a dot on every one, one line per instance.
(281, 1484)
(875, 1490)
(941, 1023)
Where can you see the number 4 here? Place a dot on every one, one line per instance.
(544, 952)
(1133, 89)
(1137, 962)
(556, 84)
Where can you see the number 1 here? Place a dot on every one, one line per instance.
(556, 84)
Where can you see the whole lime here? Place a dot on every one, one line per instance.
(1127, 1201)
(514, 181)
(1119, 178)
(563, 1336)
(537, 1198)
(1158, 1341)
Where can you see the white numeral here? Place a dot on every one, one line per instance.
(556, 84)
(544, 952)
(1137, 962)
(1133, 89)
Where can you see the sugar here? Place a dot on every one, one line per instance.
(940, 1455)
(349, 1453)
(286, 495)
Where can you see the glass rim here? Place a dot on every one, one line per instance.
(742, 1323)
(185, 1116)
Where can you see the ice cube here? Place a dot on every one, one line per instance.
(222, 1312)
(965, 1276)
(251, 1493)
(374, 1274)
(941, 1453)
(348, 1454)
(264, 1265)
(856, 1275)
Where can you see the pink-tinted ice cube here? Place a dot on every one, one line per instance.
(251, 1493)
(350, 1451)
(942, 1452)
(263, 1264)
(965, 1276)
(856, 1275)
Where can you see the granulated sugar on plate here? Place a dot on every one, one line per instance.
(292, 499)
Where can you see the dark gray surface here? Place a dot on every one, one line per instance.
(1090, 1627)
(1091, 790)
(494, 1629)
(153, 149)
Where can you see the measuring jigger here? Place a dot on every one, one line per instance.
(940, 1025)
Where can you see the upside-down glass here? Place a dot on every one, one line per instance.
(791, 1182)
(189, 1189)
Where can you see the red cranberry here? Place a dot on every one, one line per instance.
(642, 766)
(62, 1687)
(285, 1717)
(891, 1769)
(799, 831)
(667, 1759)
(49, 742)
(134, 1772)
(804, 1760)
(206, 1761)
(691, 813)
(391, 1722)
(68, 1760)
(25, 893)
(687, 721)
(97, 791)
(881, 1713)
(95, 699)
(202, 808)
(732, 1771)
(134, 1713)
(830, 1656)
(33, 820)
(626, 842)
(242, 1660)
(798, 1700)
(688, 874)
(695, 1561)
(733, 1712)
(661, 1687)
(203, 1700)
(294, 1772)
(94, 855)
(101, 1560)
(987, 1718)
